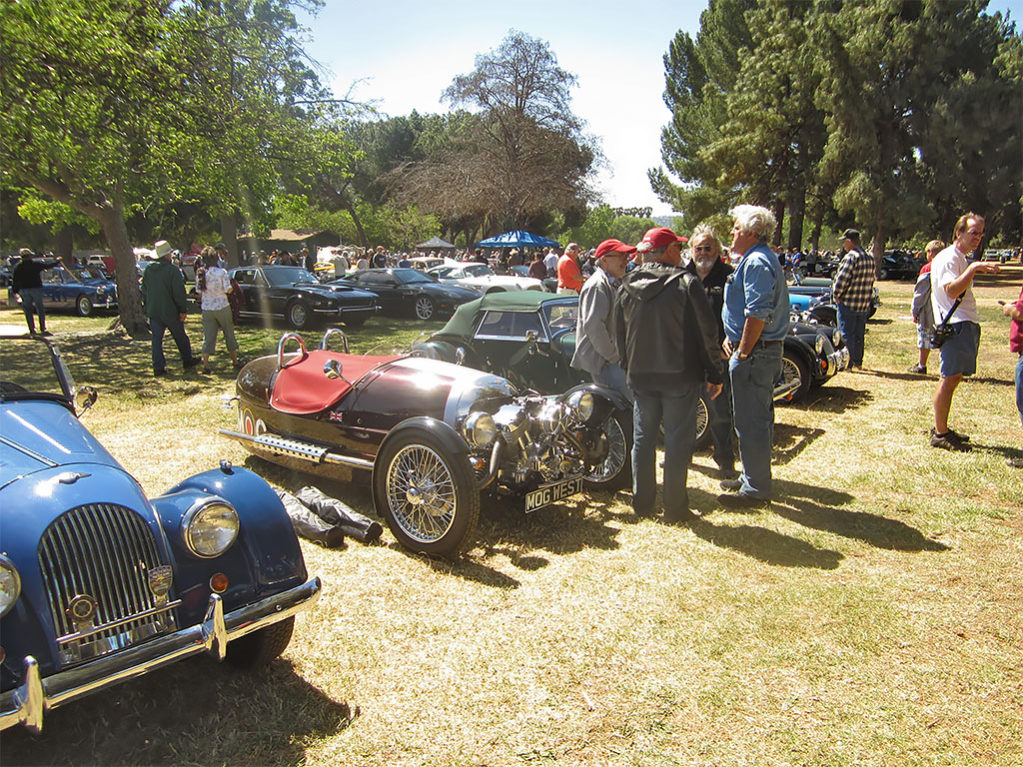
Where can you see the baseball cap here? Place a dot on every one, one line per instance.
(851, 234)
(608, 247)
(658, 237)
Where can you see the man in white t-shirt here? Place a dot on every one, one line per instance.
(952, 278)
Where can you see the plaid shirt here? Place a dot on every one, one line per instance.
(854, 281)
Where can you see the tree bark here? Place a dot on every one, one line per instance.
(779, 214)
(229, 235)
(797, 212)
(129, 295)
(64, 245)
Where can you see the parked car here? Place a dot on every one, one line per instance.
(292, 293)
(899, 265)
(404, 292)
(80, 289)
(814, 294)
(99, 584)
(432, 436)
(483, 279)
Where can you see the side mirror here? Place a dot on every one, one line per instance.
(85, 398)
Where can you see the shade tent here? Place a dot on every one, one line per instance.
(436, 242)
(517, 239)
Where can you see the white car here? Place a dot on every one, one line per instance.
(482, 278)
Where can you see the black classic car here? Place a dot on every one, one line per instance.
(899, 265)
(100, 584)
(432, 435)
(529, 338)
(404, 292)
(292, 293)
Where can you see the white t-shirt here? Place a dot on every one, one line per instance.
(946, 267)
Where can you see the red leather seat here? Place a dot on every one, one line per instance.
(301, 388)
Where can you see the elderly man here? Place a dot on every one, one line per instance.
(595, 350)
(705, 262)
(852, 294)
(570, 277)
(756, 320)
(952, 301)
(667, 340)
(163, 291)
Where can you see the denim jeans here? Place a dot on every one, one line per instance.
(854, 327)
(1019, 388)
(32, 301)
(613, 377)
(676, 412)
(753, 408)
(177, 330)
(722, 429)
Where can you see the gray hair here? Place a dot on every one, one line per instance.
(755, 220)
(704, 230)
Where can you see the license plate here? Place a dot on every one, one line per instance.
(552, 493)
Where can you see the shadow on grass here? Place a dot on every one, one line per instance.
(815, 507)
(790, 441)
(831, 398)
(766, 545)
(193, 712)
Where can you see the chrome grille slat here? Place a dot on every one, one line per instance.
(107, 552)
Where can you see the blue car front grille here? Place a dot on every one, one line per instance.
(98, 564)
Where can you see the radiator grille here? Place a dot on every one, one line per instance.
(104, 552)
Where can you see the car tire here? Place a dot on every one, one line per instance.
(795, 368)
(299, 315)
(262, 646)
(427, 495)
(83, 306)
(616, 471)
(424, 308)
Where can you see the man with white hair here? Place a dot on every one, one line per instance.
(756, 320)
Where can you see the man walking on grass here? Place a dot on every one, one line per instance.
(952, 301)
(163, 290)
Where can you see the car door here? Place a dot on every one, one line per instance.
(55, 294)
(517, 344)
(387, 287)
(250, 281)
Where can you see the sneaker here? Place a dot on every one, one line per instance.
(159, 373)
(679, 517)
(191, 363)
(731, 484)
(743, 501)
(960, 437)
(1014, 463)
(918, 369)
(206, 369)
(727, 472)
(949, 441)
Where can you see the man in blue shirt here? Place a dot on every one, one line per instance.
(756, 320)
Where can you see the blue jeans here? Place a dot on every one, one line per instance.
(722, 429)
(753, 408)
(613, 377)
(177, 331)
(1019, 388)
(853, 326)
(32, 301)
(676, 411)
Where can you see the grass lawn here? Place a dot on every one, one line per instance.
(869, 617)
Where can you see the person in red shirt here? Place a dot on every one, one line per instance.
(570, 277)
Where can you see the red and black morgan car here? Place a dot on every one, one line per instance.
(433, 435)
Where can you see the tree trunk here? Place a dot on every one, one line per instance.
(64, 245)
(779, 214)
(815, 236)
(358, 224)
(129, 296)
(797, 212)
(880, 239)
(229, 235)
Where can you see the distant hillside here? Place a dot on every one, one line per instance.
(664, 220)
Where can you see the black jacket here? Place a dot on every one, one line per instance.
(27, 274)
(714, 285)
(665, 329)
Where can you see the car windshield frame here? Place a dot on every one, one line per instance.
(410, 276)
(19, 365)
(278, 276)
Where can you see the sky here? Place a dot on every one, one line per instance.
(402, 54)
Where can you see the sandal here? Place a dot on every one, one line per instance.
(206, 369)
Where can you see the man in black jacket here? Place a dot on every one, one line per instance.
(27, 282)
(668, 344)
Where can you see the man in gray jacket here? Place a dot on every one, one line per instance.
(667, 339)
(595, 349)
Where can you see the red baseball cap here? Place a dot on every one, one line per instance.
(613, 246)
(658, 237)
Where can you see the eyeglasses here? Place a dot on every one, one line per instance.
(704, 249)
(974, 234)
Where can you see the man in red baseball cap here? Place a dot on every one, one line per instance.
(667, 339)
(595, 348)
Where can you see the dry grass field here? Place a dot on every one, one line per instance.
(870, 617)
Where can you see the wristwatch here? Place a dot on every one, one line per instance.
(740, 355)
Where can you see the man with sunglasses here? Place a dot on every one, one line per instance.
(952, 281)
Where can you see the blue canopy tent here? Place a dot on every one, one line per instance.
(517, 239)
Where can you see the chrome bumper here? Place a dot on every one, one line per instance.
(838, 360)
(26, 704)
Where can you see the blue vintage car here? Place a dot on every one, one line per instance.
(81, 289)
(99, 584)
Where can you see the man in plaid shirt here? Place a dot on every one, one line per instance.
(852, 294)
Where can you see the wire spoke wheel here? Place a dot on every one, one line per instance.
(421, 493)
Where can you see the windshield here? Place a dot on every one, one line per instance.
(283, 276)
(410, 276)
(28, 368)
(88, 273)
(478, 270)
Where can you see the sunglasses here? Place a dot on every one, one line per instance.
(704, 249)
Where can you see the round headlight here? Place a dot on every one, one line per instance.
(818, 343)
(210, 528)
(480, 429)
(836, 337)
(10, 585)
(581, 403)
